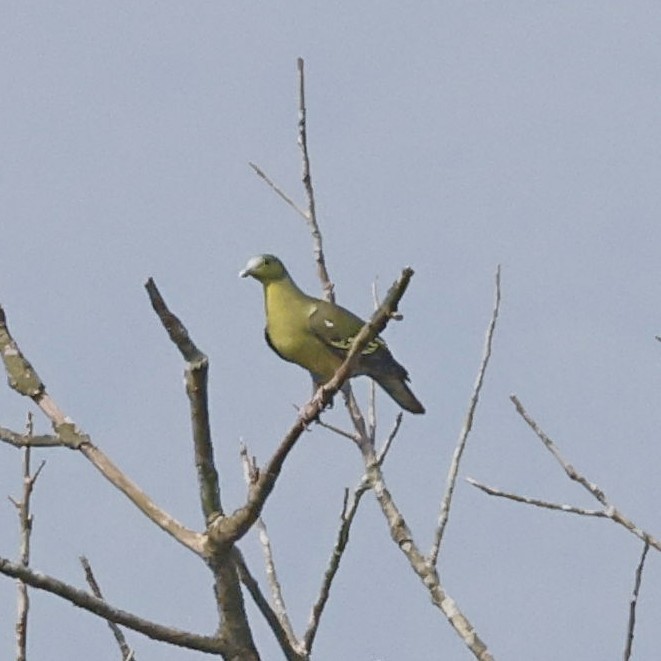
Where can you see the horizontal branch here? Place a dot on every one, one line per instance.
(536, 502)
(25, 440)
(88, 602)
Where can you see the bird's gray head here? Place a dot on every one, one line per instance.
(264, 268)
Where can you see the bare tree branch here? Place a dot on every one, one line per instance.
(309, 190)
(634, 601)
(340, 432)
(25, 521)
(197, 369)
(347, 516)
(25, 440)
(251, 473)
(391, 437)
(552, 448)
(127, 652)
(571, 509)
(362, 436)
(260, 173)
(609, 510)
(290, 652)
(234, 625)
(24, 379)
(88, 602)
(468, 425)
(426, 571)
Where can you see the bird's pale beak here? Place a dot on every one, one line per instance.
(252, 264)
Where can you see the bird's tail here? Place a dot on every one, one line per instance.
(401, 393)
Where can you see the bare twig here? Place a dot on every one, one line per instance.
(340, 432)
(609, 510)
(552, 448)
(88, 602)
(25, 520)
(349, 510)
(309, 190)
(127, 653)
(362, 436)
(290, 651)
(251, 474)
(260, 173)
(634, 601)
(197, 369)
(468, 425)
(571, 509)
(371, 412)
(391, 437)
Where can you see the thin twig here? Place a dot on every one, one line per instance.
(291, 652)
(391, 437)
(468, 425)
(347, 516)
(361, 437)
(251, 474)
(570, 509)
(609, 510)
(278, 190)
(371, 412)
(25, 520)
(306, 177)
(340, 432)
(127, 652)
(634, 601)
(572, 473)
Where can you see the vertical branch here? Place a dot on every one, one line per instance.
(25, 521)
(306, 177)
(634, 601)
(465, 431)
(251, 475)
(197, 368)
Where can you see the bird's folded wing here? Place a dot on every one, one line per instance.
(337, 328)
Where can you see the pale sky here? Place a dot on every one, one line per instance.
(449, 137)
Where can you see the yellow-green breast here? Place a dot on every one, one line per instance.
(288, 312)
